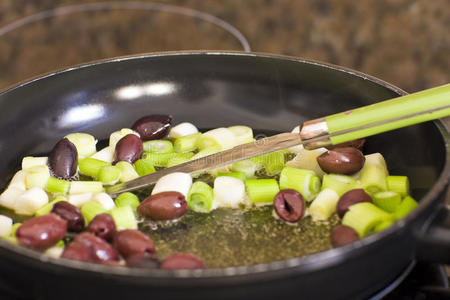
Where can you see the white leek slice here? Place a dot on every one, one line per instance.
(307, 159)
(228, 192)
(9, 197)
(84, 142)
(117, 135)
(178, 182)
(324, 205)
(37, 177)
(182, 129)
(18, 180)
(81, 187)
(106, 154)
(31, 161)
(128, 171)
(30, 201)
(54, 251)
(79, 199)
(374, 173)
(105, 200)
(243, 134)
(377, 159)
(222, 137)
(5, 225)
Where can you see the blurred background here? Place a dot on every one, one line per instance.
(404, 42)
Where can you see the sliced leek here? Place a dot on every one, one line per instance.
(307, 159)
(6, 224)
(84, 142)
(324, 205)
(228, 192)
(222, 137)
(30, 201)
(37, 177)
(181, 130)
(177, 182)
(261, 191)
(364, 217)
(243, 134)
(374, 173)
(306, 182)
(29, 162)
(106, 154)
(200, 197)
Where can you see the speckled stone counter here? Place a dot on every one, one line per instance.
(403, 42)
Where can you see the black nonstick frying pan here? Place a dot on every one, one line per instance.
(215, 89)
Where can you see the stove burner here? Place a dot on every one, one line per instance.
(419, 281)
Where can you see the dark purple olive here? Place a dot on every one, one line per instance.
(102, 250)
(182, 261)
(345, 161)
(70, 213)
(41, 232)
(289, 205)
(163, 206)
(129, 149)
(153, 127)
(358, 144)
(133, 242)
(349, 198)
(103, 226)
(145, 261)
(343, 235)
(63, 159)
(79, 251)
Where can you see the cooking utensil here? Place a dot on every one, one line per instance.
(332, 130)
(213, 89)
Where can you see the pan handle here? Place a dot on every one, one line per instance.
(433, 243)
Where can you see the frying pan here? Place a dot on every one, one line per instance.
(213, 89)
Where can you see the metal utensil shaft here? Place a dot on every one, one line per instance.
(238, 153)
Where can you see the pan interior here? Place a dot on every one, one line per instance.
(211, 91)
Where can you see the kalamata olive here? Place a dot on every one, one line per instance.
(41, 232)
(79, 251)
(70, 213)
(133, 242)
(145, 261)
(343, 235)
(152, 127)
(163, 206)
(349, 198)
(63, 159)
(182, 261)
(289, 205)
(102, 250)
(358, 144)
(103, 226)
(341, 161)
(129, 148)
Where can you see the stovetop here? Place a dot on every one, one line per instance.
(418, 282)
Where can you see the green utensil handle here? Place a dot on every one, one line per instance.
(389, 115)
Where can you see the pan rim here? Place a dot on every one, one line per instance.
(313, 262)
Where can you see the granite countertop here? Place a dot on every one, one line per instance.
(401, 41)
